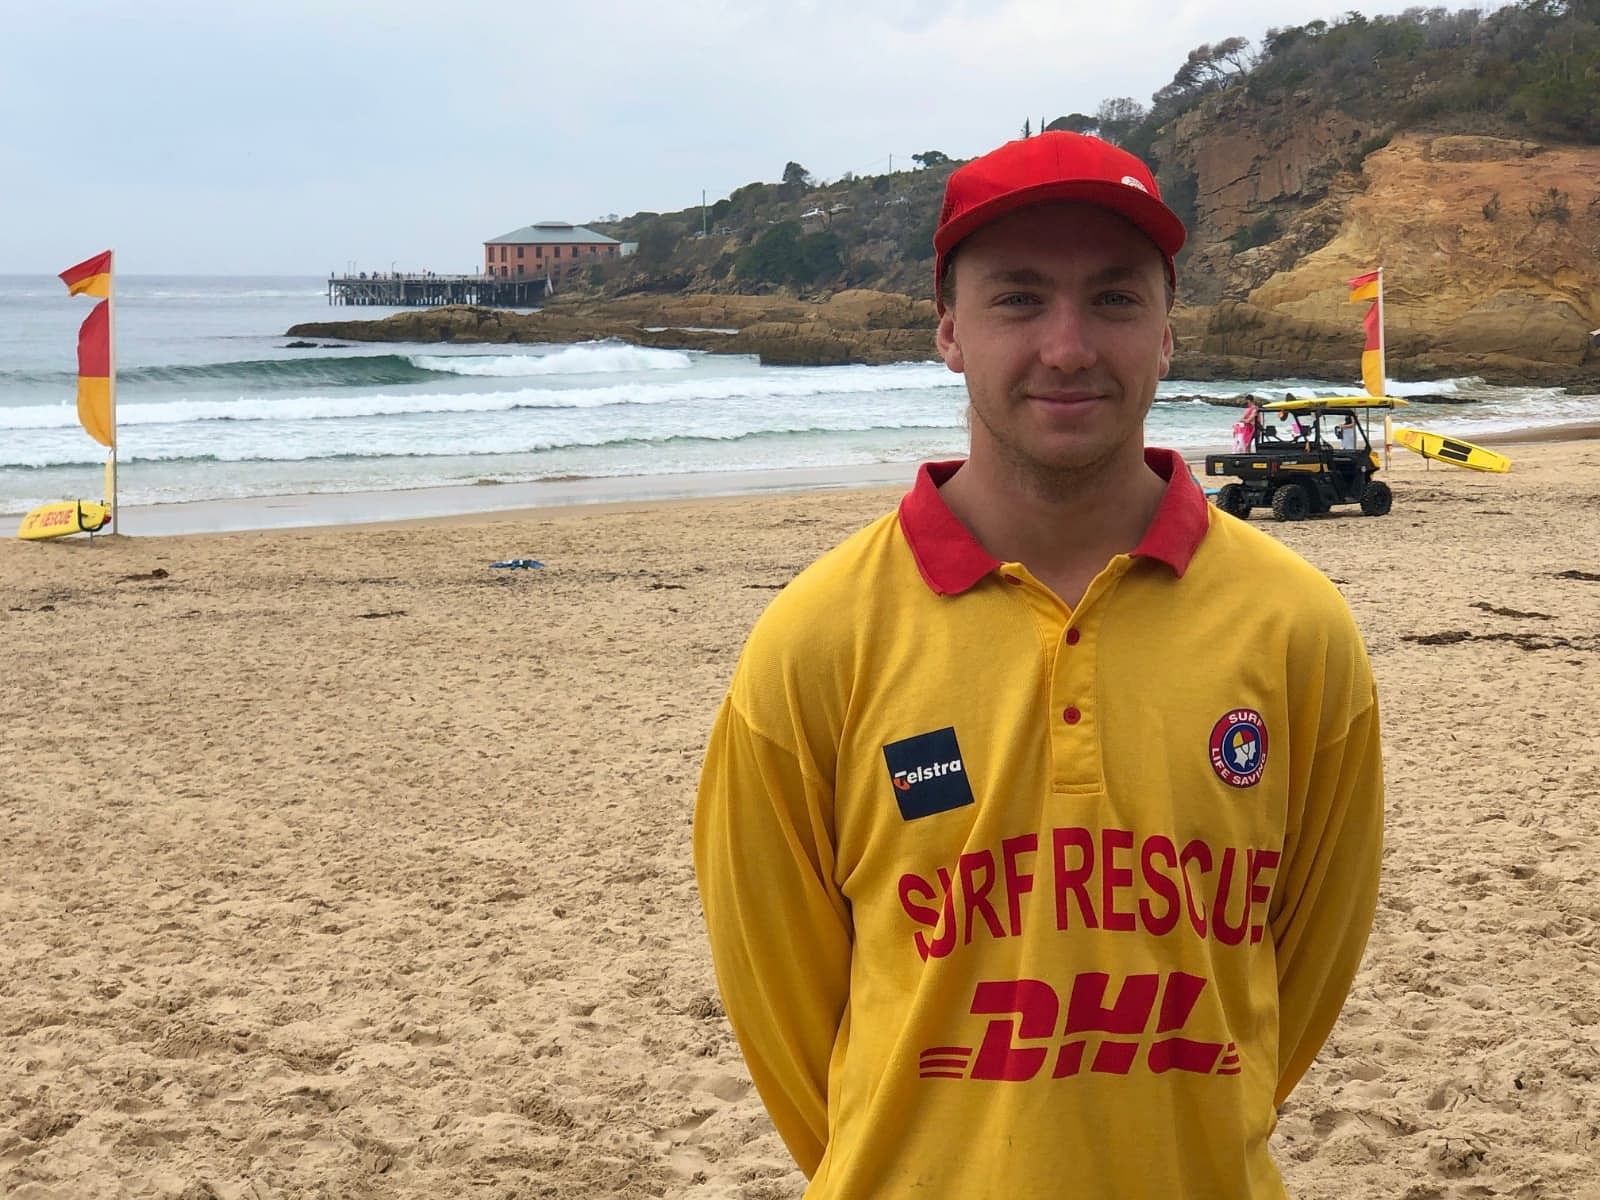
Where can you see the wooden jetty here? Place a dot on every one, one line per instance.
(428, 290)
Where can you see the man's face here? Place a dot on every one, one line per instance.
(1059, 323)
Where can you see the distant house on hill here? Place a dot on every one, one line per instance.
(546, 250)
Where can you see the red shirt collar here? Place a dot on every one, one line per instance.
(951, 560)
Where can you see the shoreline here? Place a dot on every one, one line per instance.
(461, 503)
(473, 502)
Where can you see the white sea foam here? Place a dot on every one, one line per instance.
(590, 358)
(246, 444)
(1276, 389)
(799, 386)
(1437, 387)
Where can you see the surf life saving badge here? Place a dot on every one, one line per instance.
(1239, 748)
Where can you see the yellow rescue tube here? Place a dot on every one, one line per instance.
(1451, 450)
(63, 518)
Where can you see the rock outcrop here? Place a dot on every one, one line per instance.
(1490, 247)
(856, 326)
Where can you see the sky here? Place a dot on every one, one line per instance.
(296, 137)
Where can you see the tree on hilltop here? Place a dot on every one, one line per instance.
(1208, 68)
(1211, 65)
(1116, 118)
(1074, 123)
(796, 177)
(931, 158)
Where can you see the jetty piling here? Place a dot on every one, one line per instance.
(431, 291)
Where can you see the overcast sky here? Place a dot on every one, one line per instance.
(303, 136)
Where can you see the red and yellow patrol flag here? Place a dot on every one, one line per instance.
(1372, 352)
(92, 276)
(1370, 287)
(94, 375)
(1365, 287)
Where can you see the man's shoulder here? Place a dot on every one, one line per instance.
(840, 580)
(1282, 601)
(803, 648)
(1235, 554)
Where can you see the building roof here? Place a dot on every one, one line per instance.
(552, 233)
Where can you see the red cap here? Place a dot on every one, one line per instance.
(1054, 166)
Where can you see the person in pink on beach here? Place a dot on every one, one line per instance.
(1244, 429)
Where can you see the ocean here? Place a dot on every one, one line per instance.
(213, 405)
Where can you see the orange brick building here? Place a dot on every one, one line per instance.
(547, 250)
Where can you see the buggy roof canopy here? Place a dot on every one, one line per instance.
(1325, 402)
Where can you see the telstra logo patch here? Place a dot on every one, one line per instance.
(928, 774)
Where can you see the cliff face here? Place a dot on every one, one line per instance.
(1490, 245)
(1287, 165)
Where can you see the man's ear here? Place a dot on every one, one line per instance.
(1166, 350)
(949, 348)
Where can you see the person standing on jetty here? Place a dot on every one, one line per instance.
(1038, 835)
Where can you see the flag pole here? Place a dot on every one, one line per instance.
(1383, 365)
(1383, 374)
(111, 335)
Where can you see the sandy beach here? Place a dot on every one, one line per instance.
(339, 864)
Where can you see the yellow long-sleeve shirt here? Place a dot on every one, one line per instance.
(1015, 901)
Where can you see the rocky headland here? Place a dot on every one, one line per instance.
(1459, 151)
(1491, 250)
(854, 326)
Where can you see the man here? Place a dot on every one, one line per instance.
(1038, 835)
(1347, 433)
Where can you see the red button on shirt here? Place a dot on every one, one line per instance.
(1072, 637)
(1071, 714)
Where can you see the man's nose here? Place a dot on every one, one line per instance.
(1065, 343)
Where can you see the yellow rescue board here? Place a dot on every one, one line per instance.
(1451, 450)
(63, 518)
(1334, 402)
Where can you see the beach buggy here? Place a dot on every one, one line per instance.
(1314, 455)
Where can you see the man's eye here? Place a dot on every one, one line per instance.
(1116, 299)
(1014, 299)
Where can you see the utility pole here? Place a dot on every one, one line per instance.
(702, 212)
(891, 164)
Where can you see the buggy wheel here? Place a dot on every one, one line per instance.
(1290, 503)
(1376, 498)
(1231, 500)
